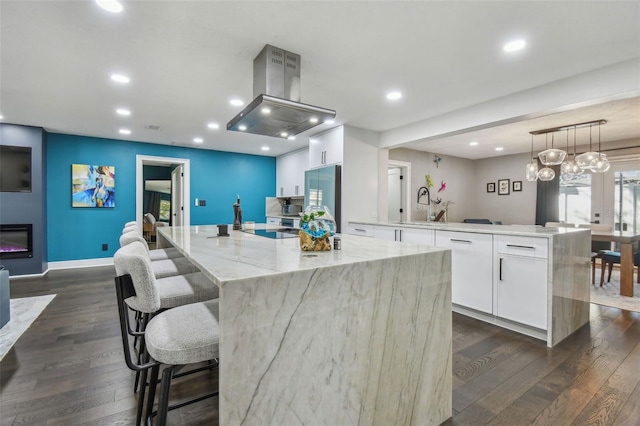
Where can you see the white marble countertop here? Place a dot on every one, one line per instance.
(243, 255)
(522, 230)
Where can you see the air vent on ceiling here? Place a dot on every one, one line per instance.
(152, 127)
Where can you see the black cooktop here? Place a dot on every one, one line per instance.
(275, 233)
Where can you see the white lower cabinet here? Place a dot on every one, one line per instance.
(471, 268)
(273, 221)
(362, 229)
(407, 235)
(386, 233)
(521, 286)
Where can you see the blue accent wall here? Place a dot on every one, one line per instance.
(216, 176)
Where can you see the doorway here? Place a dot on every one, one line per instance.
(184, 186)
(398, 184)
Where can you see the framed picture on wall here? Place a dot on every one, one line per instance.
(93, 185)
(491, 187)
(517, 185)
(503, 186)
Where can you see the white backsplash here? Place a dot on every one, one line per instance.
(273, 205)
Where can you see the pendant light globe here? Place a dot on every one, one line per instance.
(532, 171)
(571, 168)
(600, 164)
(546, 174)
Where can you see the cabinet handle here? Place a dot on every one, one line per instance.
(282, 190)
(395, 235)
(524, 247)
(296, 189)
(460, 241)
(500, 269)
(359, 230)
(400, 234)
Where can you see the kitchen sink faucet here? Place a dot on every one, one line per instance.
(422, 191)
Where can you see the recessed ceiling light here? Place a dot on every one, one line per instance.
(394, 96)
(242, 127)
(213, 125)
(313, 120)
(499, 148)
(123, 111)
(236, 102)
(284, 134)
(512, 46)
(474, 143)
(120, 78)
(292, 138)
(198, 140)
(265, 148)
(113, 6)
(265, 110)
(329, 122)
(125, 131)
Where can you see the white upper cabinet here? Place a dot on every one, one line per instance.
(290, 170)
(326, 148)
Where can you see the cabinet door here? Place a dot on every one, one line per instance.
(297, 166)
(418, 236)
(471, 268)
(273, 221)
(385, 233)
(361, 229)
(316, 151)
(522, 290)
(290, 170)
(326, 148)
(333, 146)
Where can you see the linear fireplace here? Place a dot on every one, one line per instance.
(16, 241)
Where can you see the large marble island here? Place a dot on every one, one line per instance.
(360, 335)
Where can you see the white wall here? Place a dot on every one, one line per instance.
(359, 176)
(457, 173)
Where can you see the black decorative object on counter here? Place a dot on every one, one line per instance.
(237, 214)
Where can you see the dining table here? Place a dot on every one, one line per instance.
(628, 240)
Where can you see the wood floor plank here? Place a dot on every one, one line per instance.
(630, 412)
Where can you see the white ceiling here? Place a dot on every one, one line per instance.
(186, 61)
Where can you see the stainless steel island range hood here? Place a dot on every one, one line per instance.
(276, 110)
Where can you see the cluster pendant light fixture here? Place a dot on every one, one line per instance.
(596, 162)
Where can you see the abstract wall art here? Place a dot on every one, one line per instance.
(93, 186)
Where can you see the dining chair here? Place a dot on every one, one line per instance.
(598, 248)
(611, 257)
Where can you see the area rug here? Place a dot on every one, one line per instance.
(609, 293)
(23, 312)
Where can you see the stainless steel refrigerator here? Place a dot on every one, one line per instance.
(322, 187)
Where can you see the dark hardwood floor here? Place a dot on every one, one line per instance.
(68, 367)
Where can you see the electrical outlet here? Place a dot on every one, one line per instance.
(203, 203)
(105, 247)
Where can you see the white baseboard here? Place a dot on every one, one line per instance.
(84, 263)
(68, 264)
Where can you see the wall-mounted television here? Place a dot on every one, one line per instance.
(15, 168)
